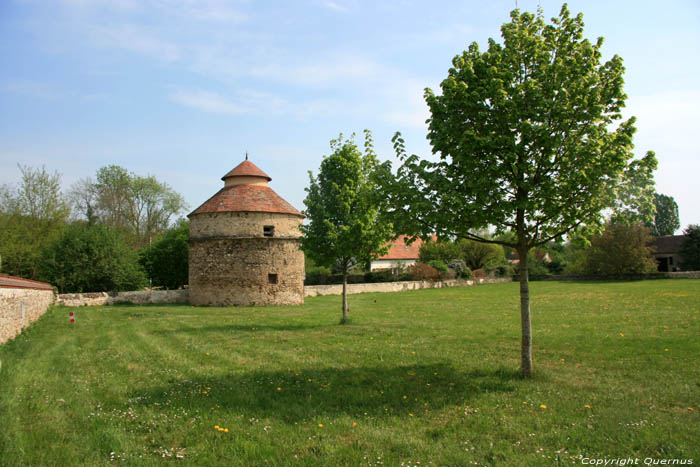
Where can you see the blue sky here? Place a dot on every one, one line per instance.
(181, 89)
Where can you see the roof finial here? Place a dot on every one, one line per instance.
(246, 155)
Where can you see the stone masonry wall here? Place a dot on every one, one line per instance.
(20, 307)
(243, 224)
(337, 289)
(236, 271)
(139, 297)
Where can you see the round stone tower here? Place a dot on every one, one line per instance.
(244, 245)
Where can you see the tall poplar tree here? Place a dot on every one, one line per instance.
(529, 138)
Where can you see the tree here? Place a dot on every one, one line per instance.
(89, 258)
(634, 193)
(690, 251)
(526, 141)
(31, 216)
(620, 249)
(166, 260)
(666, 219)
(141, 207)
(344, 210)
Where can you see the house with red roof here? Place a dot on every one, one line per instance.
(400, 254)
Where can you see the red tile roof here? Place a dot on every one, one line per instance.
(399, 249)
(246, 169)
(246, 198)
(14, 282)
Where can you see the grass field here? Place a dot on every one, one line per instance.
(418, 378)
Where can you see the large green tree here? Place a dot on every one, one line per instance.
(690, 250)
(91, 258)
(140, 207)
(166, 260)
(529, 138)
(32, 215)
(620, 249)
(666, 219)
(344, 210)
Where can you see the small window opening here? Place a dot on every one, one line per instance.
(272, 278)
(269, 231)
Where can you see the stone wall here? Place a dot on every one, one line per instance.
(19, 307)
(337, 289)
(246, 271)
(139, 297)
(243, 224)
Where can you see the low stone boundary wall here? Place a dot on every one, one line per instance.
(139, 297)
(337, 289)
(21, 302)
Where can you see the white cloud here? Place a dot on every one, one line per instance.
(29, 88)
(136, 39)
(206, 102)
(335, 6)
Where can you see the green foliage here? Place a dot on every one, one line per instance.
(620, 249)
(439, 251)
(690, 251)
(666, 219)
(439, 265)
(91, 259)
(344, 209)
(32, 215)
(141, 207)
(530, 138)
(476, 255)
(634, 193)
(523, 137)
(166, 261)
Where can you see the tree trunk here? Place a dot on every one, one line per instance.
(345, 297)
(526, 351)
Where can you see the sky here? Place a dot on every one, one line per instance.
(182, 89)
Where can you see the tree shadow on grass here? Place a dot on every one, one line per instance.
(238, 328)
(354, 391)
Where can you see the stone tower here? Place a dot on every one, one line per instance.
(244, 245)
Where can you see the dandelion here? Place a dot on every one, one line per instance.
(216, 427)
(524, 403)
(405, 397)
(225, 430)
(542, 406)
(279, 389)
(410, 415)
(665, 350)
(622, 334)
(320, 425)
(354, 424)
(587, 406)
(690, 409)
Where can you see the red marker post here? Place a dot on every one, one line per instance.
(72, 317)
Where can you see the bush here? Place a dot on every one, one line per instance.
(424, 272)
(502, 270)
(91, 259)
(166, 261)
(620, 249)
(690, 251)
(479, 274)
(438, 264)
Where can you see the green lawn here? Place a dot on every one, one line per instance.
(417, 377)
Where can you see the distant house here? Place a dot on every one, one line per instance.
(666, 252)
(399, 255)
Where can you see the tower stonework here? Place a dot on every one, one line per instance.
(244, 245)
